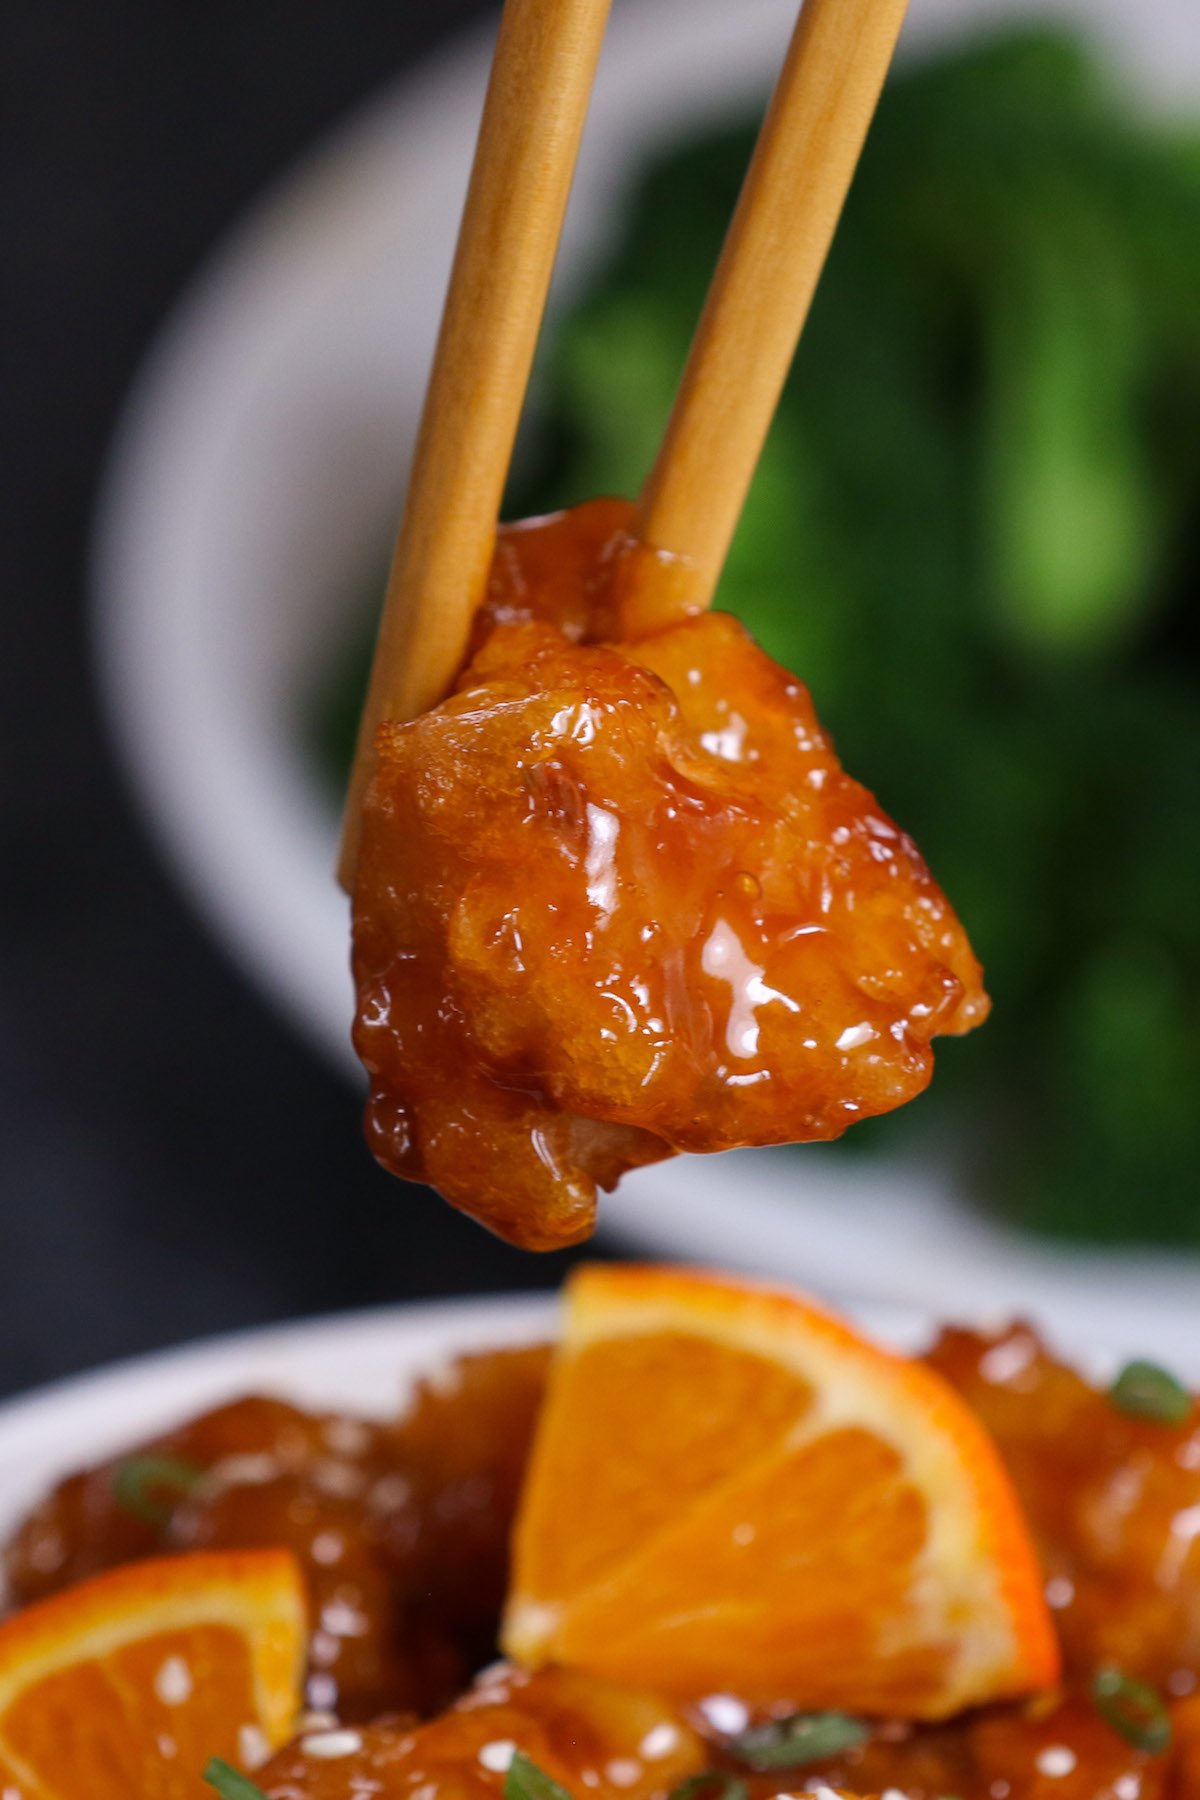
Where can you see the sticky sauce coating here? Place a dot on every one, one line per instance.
(402, 1528)
(617, 900)
(594, 1739)
(1113, 1501)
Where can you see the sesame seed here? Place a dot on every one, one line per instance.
(1060, 1591)
(343, 1620)
(660, 1741)
(622, 1771)
(725, 1713)
(1056, 1759)
(497, 1756)
(253, 1748)
(347, 1437)
(321, 1690)
(327, 1745)
(1006, 1360)
(173, 1683)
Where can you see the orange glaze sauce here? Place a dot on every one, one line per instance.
(619, 899)
(402, 1528)
(1113, 1502)
(592, 1738)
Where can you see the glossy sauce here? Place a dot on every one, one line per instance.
(617, 900)
(1114, 1503)
(592, 1738)
(401, 1528)
(419, 1512)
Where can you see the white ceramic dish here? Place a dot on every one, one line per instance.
(260, 464)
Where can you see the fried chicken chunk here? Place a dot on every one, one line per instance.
(1113, 1500)
(401, 1527)
(1053, 1747)
(589, 1736)
(619, 899)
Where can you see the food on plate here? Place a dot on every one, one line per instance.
(616, 898)
(891, 1524)
(125, 1685)
(401, 1528)
(1054, 1745)
(1111, 1485)
(590, 1736)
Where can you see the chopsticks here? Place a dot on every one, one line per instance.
(760, 295)
(537, 100)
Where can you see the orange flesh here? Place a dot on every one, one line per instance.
(65, 1728)
(129, 1683)
(730, 1485)
(617, 900)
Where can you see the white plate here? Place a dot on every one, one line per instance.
(260, 463)
(362, 1361)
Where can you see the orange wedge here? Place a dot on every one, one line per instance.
(127, 1684)
(731, 1490)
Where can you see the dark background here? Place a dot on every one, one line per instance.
(172, 1160)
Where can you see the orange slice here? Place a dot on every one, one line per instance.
(127, 1684)
(731, 1490)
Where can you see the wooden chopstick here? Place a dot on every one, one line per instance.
(772, 259)
(537, 100)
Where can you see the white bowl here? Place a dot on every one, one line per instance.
(261, 462)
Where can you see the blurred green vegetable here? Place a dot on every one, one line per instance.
(975, 533)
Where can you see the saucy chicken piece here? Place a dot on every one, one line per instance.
(1113, 1501)
(1050, 1748)
(619, 899)
(401, 1528)
(591, 1737)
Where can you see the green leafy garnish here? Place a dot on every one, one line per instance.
(525, 1781)
(229, 1782)
(1133, 1709)
(1145, 1391)
(799, 1739)
(142, 1484)
(711, 1784)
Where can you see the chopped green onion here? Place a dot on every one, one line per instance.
(1133, 1709)
(525, 1781)
(711, 1784)
(802, 1738)
(229, 1782)
(141, 1484)
(1145, 1391)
